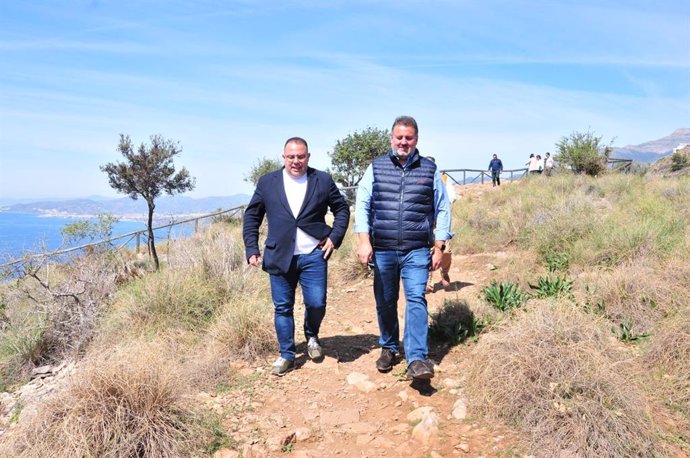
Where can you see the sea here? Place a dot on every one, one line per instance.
(22, 233)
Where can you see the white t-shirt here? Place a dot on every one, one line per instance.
(296, 189)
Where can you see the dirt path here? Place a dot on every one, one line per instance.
(318, 409)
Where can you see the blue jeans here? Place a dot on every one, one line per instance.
(413, 267)
(311, 271)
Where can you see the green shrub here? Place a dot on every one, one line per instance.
(504, 296)
(552, 287)
(584, 152)
(557, 261)
(678, 161)
(454, 323)
(627, 333)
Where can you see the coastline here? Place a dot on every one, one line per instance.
(129, 217)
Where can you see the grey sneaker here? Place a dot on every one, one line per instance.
(282, 366)
(314, 349)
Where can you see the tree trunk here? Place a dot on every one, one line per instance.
(152, 242)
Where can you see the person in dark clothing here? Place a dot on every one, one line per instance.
(402, 211)
(496, 167)
(295, 200)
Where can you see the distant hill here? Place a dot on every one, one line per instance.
(653, 150)
(165, 206)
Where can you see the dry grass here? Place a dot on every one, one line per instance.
(165, 300)
(555, 374)
(667, 357)
(603, 221)
(216, 254)
(632, 294)
(244, 326)
(125, 404)
(637, 294)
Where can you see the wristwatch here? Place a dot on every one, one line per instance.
(442, 247)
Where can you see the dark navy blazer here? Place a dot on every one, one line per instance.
(270, 199)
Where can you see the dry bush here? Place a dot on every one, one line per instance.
(668, 356)
(554, 373)
(128, 403)
(484, 222)
(201, 273)
(73, 298)
(206, 297)
(53, 310)
(516, 267)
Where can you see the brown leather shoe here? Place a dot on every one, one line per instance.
(420, 370)
(386, 360)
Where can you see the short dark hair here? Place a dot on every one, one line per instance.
(407, 121)
(299, 140)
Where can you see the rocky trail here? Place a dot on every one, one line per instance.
(344, 407)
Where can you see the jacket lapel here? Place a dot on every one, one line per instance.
(311, 187)
(280, 190)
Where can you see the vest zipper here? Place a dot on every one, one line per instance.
(400, 210)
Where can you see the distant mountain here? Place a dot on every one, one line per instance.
(165, 206)
(653, 150)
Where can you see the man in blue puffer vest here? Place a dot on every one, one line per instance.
(401, 211)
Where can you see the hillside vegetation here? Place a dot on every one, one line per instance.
(579, 342)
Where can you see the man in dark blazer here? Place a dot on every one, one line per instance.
(295, 200)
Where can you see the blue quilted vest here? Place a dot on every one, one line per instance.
(402, 203)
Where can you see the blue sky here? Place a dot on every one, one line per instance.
(231, 80)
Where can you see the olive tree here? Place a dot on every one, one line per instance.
(584, 152)
(352, 155)
(260, 168)
(148, 172)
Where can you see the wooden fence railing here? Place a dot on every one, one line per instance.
(470, 176)
(620, 165)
